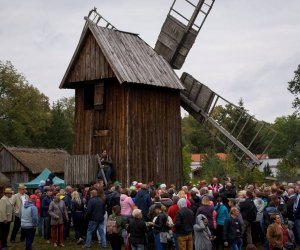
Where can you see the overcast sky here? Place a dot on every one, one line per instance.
(246, 49)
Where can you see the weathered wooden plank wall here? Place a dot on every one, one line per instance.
(80, 169)
(8, 163)
(155, 132)
(90, 63)
(105, 128)
(19, 177)
(111, 120)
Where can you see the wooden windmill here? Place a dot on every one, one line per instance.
(128, 100)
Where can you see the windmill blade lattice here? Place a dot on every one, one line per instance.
(180, 29)
(226, 121)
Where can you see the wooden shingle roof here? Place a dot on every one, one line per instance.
(131, 59)
(36, 160)
(4, 181)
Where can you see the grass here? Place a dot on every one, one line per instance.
(40, 244)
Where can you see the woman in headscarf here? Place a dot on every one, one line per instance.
(202, 234)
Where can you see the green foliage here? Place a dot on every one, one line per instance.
(24, 111)
(287, 171)
(267, 170)
(60, 130)
(294, 88)
(235, 120)
(196, 136)
(25, 116)
(186, 156)
(288, 138)
(212, 166)
(249, 175)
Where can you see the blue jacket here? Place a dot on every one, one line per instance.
(95, 210)
(232, 229)
(45, 205)
(297, 209)
(143, 201)
(222, 214)
(68, 201)
(29, 215)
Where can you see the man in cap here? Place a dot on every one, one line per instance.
(18, 201)
(6, 215)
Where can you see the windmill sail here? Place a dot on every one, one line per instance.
(201, 102)
(180, 30)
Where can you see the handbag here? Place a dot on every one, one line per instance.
(163, 236)
(63, 214)
(111, 226)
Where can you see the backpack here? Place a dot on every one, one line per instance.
(111, 226)
(252, 212)
(267, 218)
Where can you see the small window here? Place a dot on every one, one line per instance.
(99, 96)
(89, 97)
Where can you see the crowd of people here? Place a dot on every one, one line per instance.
(207, 216)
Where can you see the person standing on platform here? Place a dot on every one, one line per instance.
(106, 164)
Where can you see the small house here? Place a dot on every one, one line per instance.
(21, 165)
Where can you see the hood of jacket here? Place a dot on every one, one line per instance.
(28, 204)
(123, 197)
(260, 205)
(167, 202)
(201, 217)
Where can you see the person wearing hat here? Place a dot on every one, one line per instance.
(29, 220)
(18, 200)
(58, 213)
(184, 225)
(6, 216)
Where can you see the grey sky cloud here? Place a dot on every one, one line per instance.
(246, 49)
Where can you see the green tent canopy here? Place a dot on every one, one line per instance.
(43, 176)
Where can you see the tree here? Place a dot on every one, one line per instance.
(288, 138)
(212, 166)
(60, 131)
(238, 123)
(267, 170)
(294, 88)
(196, 136)
(287, 171)
(24, 111)
(186, 155)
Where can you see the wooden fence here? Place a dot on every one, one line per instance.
(80, 169)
